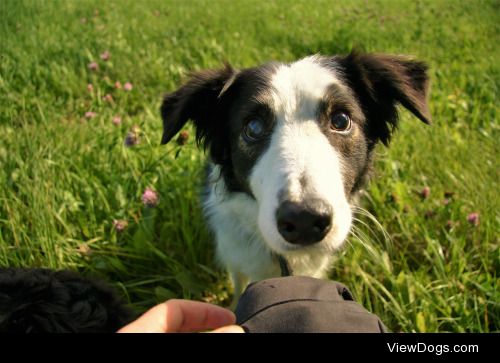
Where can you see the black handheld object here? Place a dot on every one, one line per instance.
(298, 304)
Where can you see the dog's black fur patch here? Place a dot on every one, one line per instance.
(47, 301)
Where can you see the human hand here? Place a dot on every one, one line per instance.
(177, 316)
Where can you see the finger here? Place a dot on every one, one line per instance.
(229, 329)
(189, 316)
(180, 316)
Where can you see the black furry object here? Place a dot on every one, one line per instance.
(47, 301)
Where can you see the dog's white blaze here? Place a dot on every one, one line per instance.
(300, 151)
(296, 88)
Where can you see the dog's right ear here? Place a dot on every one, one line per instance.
(201, 100)
(382, 81)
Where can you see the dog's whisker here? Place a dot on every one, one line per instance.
(366, 242)
(360, 222)
(361, 211)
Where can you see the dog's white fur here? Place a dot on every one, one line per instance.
(299, 162)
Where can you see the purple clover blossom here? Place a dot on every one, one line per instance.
(128, 86)
(120, 225)
(93, 66)
(108, 98)
(473, 218)
(90, 114)
(105, 55)
(117, 120)
(150, 198)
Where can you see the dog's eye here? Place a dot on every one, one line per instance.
(340, 122)
(253, 130)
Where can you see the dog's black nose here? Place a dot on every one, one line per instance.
(304, 223)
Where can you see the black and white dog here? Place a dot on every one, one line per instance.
(290, 146)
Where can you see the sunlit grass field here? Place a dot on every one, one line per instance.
(78, 149)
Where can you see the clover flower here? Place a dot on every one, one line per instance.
(108, 98)
(150, 198)
(90, 114)
(473, 218)
(120, 225)
(93, 66)
(105, 55)
(117, 120)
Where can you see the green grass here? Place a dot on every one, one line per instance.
(64, 178)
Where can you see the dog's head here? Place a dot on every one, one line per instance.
(298, 138)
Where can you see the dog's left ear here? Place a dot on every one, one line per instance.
(201, 99)
(380, 82)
